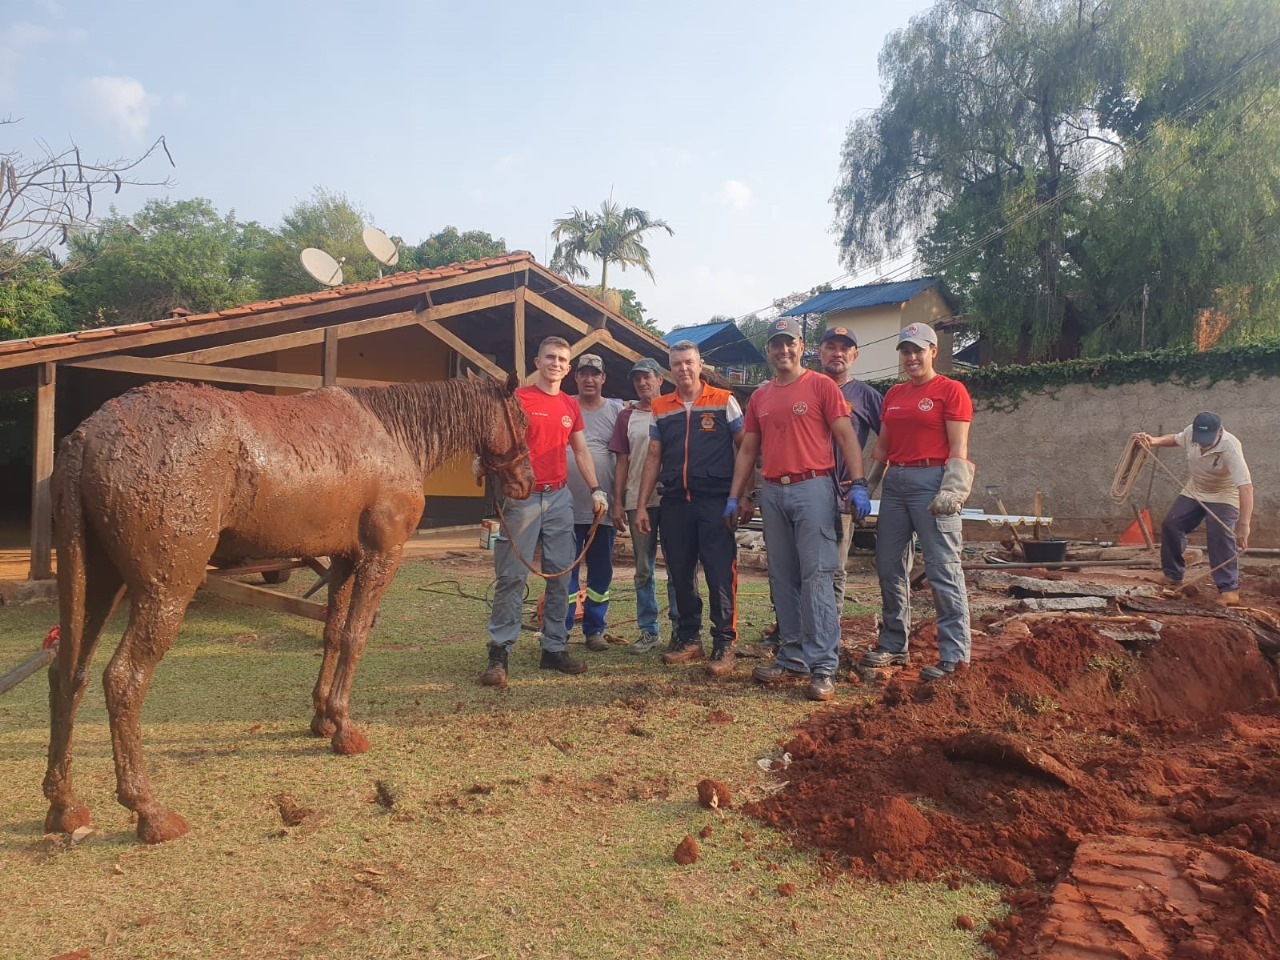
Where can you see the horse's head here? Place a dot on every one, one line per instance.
(503, 450)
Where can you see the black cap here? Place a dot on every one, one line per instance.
(1204, 429)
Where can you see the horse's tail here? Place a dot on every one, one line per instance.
(70, 537)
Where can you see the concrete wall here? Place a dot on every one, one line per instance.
(1069, 444)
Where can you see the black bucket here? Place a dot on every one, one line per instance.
(1044, 551)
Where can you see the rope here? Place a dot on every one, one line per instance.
(591, 535)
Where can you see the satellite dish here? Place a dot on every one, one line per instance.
(322, 267)
(381, 246)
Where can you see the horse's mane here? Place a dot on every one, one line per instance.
(433, 420)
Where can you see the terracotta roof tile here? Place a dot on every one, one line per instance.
(95, 334)
(15, 346)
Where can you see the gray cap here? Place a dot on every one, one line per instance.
(646, 365)
(591, 360)
(783, 327)
(1204, 429)
(921, 334)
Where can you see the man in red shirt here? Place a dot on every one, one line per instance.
(546, 518)
(791, 421)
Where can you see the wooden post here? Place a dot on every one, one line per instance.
(518, 346)
(42, 474)
(329, 364)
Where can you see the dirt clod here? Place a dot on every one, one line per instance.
(713, 795)
(292, 813)
(964, 922)
(687, 852)
(705, 832)
(786, 889)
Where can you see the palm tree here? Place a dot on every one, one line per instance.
(612, 236)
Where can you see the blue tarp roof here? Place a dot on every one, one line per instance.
(720, 343)
(869, 295)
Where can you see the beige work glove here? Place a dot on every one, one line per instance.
(599, 503)
(957, 482)
(875, 477)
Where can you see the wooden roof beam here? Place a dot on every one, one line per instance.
(178, 370)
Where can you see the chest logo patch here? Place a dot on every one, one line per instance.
(926, 404)
(800, 409)
(566, 421)
(708, 421)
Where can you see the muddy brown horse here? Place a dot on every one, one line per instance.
(167, 476)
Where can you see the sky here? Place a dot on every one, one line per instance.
(723, 118)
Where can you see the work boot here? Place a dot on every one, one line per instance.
(496, 675)
(560, 660)
(689, 652)
(722, 661)
(943, 669)
(821, 688)
(647, 643)
(1229, 598)
(596, 642)
(883, 658)
(776, 673)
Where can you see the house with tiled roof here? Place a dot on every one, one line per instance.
(875, 312)
(486, 316)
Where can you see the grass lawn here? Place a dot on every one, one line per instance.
(537, 821)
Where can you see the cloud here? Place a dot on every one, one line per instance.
(121, 100)
(14, 42)
(734, 194)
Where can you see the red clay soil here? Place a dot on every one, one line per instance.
(1128, 795)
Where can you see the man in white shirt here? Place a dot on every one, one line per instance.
(1219, 486)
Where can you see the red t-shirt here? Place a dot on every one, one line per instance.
(794, 423)
(551, 420)
(914, 418)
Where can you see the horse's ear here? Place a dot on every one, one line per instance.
(513, 381)
(471, 375)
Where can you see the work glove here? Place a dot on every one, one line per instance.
(859, 501)
(731, 514)
(599, 502)
(957, 482)
(875, 477)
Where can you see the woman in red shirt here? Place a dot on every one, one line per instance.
(922, 456)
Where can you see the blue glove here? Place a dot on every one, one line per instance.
(860, 501)
(731, 506)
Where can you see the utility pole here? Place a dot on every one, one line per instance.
(1142, 329)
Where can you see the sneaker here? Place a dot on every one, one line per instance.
(496, 675)
(1229, 598)
(883, 658)
(943, 669)
(722, 662)
(821, 687)
(690, 652)
(776, 673)
(647, 643)
(559, 660)
(596, 642)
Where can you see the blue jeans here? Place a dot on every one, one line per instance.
(599, 562)
(545, 518)
(904, 510)
(801, 533)
(645, 546)
(1183, 517)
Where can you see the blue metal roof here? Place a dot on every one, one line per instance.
(720, 343)
(869, 295)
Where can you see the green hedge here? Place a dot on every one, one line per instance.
(1004, 387)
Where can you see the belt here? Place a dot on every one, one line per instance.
(789, 478)
(547, 487)
(919, 463)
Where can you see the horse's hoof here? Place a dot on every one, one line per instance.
(322, 726)
(161, 828)
(350, 741)
(66, 819)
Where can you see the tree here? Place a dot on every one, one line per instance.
(328, 221)
(48, 197)
(611, 236)
(1039, 154)
(449, 246)
(29, 300)
(633, 310)
(171, 254)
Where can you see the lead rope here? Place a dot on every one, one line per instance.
(591, 535)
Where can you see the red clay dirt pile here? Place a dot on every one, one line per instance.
(1120, 774)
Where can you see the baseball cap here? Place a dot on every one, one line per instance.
(783, 327)
(590, 360)
(845, 332)
(646, 365)
(921, 334)
(1205, 427)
